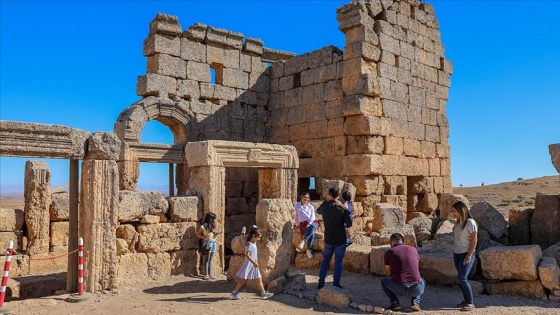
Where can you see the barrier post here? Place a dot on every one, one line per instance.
(81, 296)
(5, 310)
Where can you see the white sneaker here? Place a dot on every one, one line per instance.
(266, 295)
(309, 253)
(300, 246)
(235, 296)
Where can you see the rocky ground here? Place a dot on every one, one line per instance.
(191, 295)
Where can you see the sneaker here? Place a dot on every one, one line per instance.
(394, 307)
(461, 304)
(235, 296)
(348, 243)
(300, 246)
(415, 307)
(206, 278)
(309, 253)
(467, 307)
(320, 286)
(266, 295)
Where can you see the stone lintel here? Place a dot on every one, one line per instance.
(240, 154)
(272, 55)
(22, 139)
(151, 152)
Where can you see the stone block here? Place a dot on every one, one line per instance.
(396, 200)
(235, 263)
(122, 247)
(387, 215)
(304, 262)
(236, 78)
(238, 245)
(20, 243)
(128, 233)
(490, 219)
(383, 237)
(438, 268)
(237, 205)
(198, 71)
(528, 289)
(549, 273)
(295, 281)
(274, 217)
(185, 208)
(132, 269)
(554, 252)
(423, 229)
(164, 237)
(167, 65)
(511, 262)
(395, 185)
(11, 219)
(184, 262)
(37, 194)
(377, 259)
(30, 287)
(428, 203)
(160, 43)
(153, 219)
(59, 233)
(103, 146)
(334, 297)
(446, 202)
(159, 266)
(192, 50)
(188, 89)
(235, 223)
(545, 221)
(134, 205)
(60, 207)
(275, 286)
(357, 259)
(519, 229)
(157, 85)
(46, 264)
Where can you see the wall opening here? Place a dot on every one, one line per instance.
(216, 73)
(307, 185)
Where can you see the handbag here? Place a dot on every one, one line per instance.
(204, 246)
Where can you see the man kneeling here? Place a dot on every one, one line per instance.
(403, 274)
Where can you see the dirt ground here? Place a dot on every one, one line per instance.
(191, 295)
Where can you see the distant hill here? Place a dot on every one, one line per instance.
(519, 194)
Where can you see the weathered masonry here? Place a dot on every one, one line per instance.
(252, 123)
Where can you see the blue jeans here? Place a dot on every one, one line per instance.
(414, 291)
(463, 271)
(309, 234)
(339, 252)
(207, 263)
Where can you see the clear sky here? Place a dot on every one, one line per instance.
(75, 63)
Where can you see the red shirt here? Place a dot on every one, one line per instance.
(403, 260)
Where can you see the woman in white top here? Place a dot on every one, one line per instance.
(305, 220)
(465, 232)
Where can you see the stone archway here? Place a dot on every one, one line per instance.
(173, 114)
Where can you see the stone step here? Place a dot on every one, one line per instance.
(36, 286)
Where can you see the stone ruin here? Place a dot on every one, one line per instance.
(252, 128)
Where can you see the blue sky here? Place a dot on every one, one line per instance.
(75, 63)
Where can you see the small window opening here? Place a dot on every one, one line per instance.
(297, 80)
(216, 73)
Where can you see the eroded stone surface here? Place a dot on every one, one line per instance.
(511, 262)
(37, 194)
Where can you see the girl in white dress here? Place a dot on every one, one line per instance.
(250, 268)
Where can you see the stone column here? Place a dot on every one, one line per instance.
(129, 169)
(181, 179)
(208, 183)
(278, 183)
(37, 193)
(73, 230)
(99, 211)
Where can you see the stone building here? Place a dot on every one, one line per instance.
(252, 123)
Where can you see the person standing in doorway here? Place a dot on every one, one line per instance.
(335, 220)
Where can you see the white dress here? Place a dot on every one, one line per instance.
(247, 270)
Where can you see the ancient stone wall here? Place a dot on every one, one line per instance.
(372, 114)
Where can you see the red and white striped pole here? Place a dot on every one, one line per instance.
(80, 266)
(81, 296)
(6, 272)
